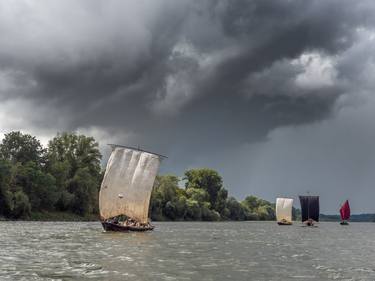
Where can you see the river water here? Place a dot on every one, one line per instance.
(187, 251)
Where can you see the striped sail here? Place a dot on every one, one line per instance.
(284, 209)
(127, 184)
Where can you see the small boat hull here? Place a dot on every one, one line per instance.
(310, 223)
(109, 226)
(284, 223)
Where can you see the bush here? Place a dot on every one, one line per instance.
(83, 187)
(5, 194)
(21, 206)
(193, 210)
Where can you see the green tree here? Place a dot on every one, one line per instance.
(221, 201)
(236, 210)
(208, 180)
(181, 206)
(167, 185)
(198, 195)
(73, 152)
(5, 194)
(193, 210)
(61, 171)
(20, 205)
(265, 212)
(37, 185)
(23, 148)
(156, 205)
(207, 213)
(170, 210)
(65, 177)
(167, 199)
(65, 201)
(251, 202)
(195, 202)
(261, 209)
(74, 160)
(84, 188)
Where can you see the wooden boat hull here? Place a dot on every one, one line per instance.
(108, 226)
(309, 223)
(284, 223)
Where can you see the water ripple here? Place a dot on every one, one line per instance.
(186, 251)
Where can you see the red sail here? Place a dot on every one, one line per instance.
(345, 211)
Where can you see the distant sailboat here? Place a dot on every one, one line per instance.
(309, 209)
(126, 189)
(284, 211)
(345, 213)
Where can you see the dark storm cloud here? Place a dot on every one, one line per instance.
(186, 78)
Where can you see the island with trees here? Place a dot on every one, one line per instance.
(62, 181)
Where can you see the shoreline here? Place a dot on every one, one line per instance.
(54, 216)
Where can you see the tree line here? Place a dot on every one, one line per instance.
(65, 177)
(203, 197)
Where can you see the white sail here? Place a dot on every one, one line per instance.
(127, 184)
(284, 209)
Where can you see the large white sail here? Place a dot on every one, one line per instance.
(127, 184)
(284, 209)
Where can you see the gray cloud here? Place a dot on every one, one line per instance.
(201, 81)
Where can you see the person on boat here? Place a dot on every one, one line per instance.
(114, 220)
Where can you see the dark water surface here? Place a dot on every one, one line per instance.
(187, 251)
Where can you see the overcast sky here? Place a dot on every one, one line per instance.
(278, 96)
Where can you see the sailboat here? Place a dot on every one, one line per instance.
(125, 192)
(345, 213)
(309, 209)
(284, 211)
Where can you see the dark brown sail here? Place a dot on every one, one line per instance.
(309, 208)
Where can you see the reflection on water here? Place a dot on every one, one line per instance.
(187, 251)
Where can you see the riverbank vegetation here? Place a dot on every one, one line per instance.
(203, 197)
(38, 182)
(62, 181)
(353, 218)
